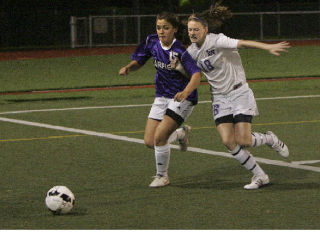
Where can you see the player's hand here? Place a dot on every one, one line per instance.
(124, 71)
(174, 62)
(181, 96)
(275, 49)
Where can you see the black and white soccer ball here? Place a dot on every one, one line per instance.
(60, 200)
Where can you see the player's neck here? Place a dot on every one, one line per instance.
(167, 46)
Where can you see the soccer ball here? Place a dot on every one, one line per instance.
(59, 200)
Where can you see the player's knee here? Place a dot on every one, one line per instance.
(149, 142)
(243, 141)
(160, 140)
(228, 142)
(149, 145)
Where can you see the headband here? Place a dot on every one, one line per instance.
(200, 20)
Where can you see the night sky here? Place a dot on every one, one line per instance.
(127, 3)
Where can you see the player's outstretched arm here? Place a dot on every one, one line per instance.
(274, 49)
(132, 66)
(193, 84)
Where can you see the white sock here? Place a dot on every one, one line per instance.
(259, 139)
(162, 154)
(247, 160)
(176, 135)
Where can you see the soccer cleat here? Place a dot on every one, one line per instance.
(278, 145)
(159, 181)
(184, 142)
(257, 182)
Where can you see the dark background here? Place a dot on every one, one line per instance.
(29, 24)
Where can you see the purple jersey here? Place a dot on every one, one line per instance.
(168, 81)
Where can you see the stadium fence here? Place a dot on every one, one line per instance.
(127, 30)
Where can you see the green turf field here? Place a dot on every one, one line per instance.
(100, 71)
(110, 176)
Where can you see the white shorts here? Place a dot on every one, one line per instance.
(161, 104)
(239, 101)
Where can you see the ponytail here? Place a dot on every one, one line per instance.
(213, 17)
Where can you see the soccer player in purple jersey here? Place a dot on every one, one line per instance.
(176, 95)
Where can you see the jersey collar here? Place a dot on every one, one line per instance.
(167, 47)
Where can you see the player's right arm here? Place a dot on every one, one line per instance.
(132, 66)
(176, 65)
(140, 56)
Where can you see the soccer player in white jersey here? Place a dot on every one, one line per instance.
(176, 95)
(233, 102)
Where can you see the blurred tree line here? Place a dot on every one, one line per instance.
(30, 23)
(87, 7)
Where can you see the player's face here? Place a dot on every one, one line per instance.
(197, 32)
(165, 32)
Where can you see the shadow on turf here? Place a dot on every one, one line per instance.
(73, 213)
(214, 179)
(294, 186)
(235, 178)
(47, 99)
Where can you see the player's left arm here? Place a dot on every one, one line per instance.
(274, 49)
(190, 67)
(192, 85)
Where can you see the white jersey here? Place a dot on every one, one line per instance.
(220, 62)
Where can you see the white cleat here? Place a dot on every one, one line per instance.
(159, 181)
(278, 145)
(257, 182)
(184, 142)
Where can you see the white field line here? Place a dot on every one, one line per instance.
(134, 140)
(258, 159)
(74, 108)
(73, 130)
(306, 162)
(141, 105)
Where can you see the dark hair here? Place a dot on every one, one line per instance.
(213, 17)
(169, 17)
(173, 19)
